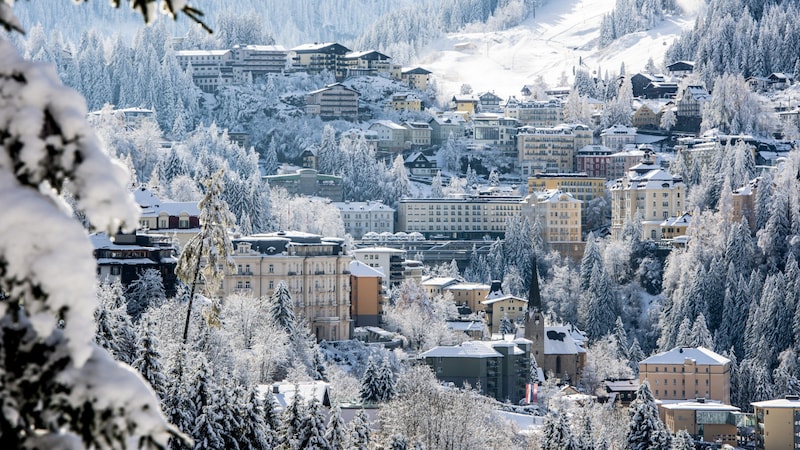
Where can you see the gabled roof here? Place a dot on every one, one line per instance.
(330, 47)
(332, 87)
(561, 340)
(700, 355)
(416, 71)
(373, 54)
(416, 156)
(388, 124)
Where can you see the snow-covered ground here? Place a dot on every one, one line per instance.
(563, 36)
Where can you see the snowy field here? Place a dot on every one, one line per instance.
(562, 37)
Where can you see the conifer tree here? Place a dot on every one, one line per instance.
(114, 331)
(255, 431)
(683, 441)
(397, 442)
(336, 431)
(586, 439)
(386, 381)
(645, 429)
(507, 327)
(147, 289)
(272, 421)
(622, 339)
(359, 431)
(281, 309)
(312, 434)
(292, 423)
(556, 434)
(700, 336)
(370, 390)
(148, 361)
(437, 190)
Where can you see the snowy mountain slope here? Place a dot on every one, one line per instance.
(562, 37)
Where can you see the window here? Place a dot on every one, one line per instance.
(115, 270)
(183, 222)
(271, 284)
(271, 268)
(239, 284)
(247, 285)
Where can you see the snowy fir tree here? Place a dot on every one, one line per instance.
(206, 256)
(370, 387)
(359, 431)
(683, 441)
(585, 440)
(292, 423)
(336, 431)
(148, 361)
(281, 309)
(114, 329)
(47, 310)
(437, 190)
(645, 429)
(312, 432)
(385, 380)
(556, 434)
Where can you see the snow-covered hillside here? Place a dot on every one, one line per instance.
(562, 37)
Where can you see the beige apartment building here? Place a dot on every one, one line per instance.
(464, 217)
(652, 192)
(688, 373)
(469, 294)
(315, 269)
(550, 149)
(778, 423)
(334, 101)
(580, 185)
(361, 218)
(546, 113)
(559, 214)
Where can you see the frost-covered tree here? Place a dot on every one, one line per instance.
(336, 431)
(281, 309)
(668, 120)
(115, 332)
(700, 336)
(507, 327)
(206, 257)
(359, 431)
(556, 434)
(682, 441)
(369, 383)
(312, 434)
(437, 190)
(645, 429)
(50, 366)
(734, 108)
(146, 290)
(148, 361)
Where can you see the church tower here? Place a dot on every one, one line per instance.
(534, 319)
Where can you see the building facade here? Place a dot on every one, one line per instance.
(179, 219)
(688, 373)
(537, 114)
(704, 420)
(650, 191)
(543, 150)
(778, 423)
(366, 295)
(495, 131)
(214, 68)
(317, 57)
(334, 101)
(581, 186)
(309, 182)
(361, 218)
(316, 271)
(618, 136)
(126, 256)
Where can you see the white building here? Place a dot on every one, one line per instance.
(391, 262)
(363, 217)
(617, 136)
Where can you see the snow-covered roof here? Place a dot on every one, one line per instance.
(201, 52)
(560, 340)
(460, 325)
(388, 124)
(678, 355)
(469, 349)
(555, 196)
(778, 403)
(619, 130)
(440, 281)
(262, 48)
(705, 405)
(493, 300)
(354, 55)
(390, 250)
(362, 206)
(359, 269)
(681, 221)
(595, 149)
(285, 392)
(415, 71)
(316, 46)
(468, 287)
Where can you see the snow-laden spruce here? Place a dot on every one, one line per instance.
(59, 388)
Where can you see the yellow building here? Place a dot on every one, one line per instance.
(470, 294)
(405, 102)
(652, 192)
(316, 271)
(777, 423)
(559, 214)
(550, 149)
(467, 105)
(417, 78)
(437, 286)
(499, 305)
(366, 295)
(675, 226)
(686, 373)
(711, 421)
(579, 185)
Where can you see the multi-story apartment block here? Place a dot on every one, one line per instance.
(559, 214)
(129, 117)
(334, 101)
(618, 136)
(418, 134)
(498, 368)
(179, 219)
(778, 423)
(391, 262)
(537, 114)
(368, 62)
(125, 256)
(465, 217)
(650, 191)
(581, 186)
(363, 217)
(550, 149)
(316, 271)
(391, 136)
(405, 101)
(688, 373)
(317, 57)
(417, 78)
(443, 126)
(366, 295)
(494, 130)
(212, 68)
(620, 163)
(469, 294)
(436, 285)
(593, 160)
(309, 182)
(691, 100)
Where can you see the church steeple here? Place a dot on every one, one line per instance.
(534, 297)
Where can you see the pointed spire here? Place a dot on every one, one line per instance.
(534, 297)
